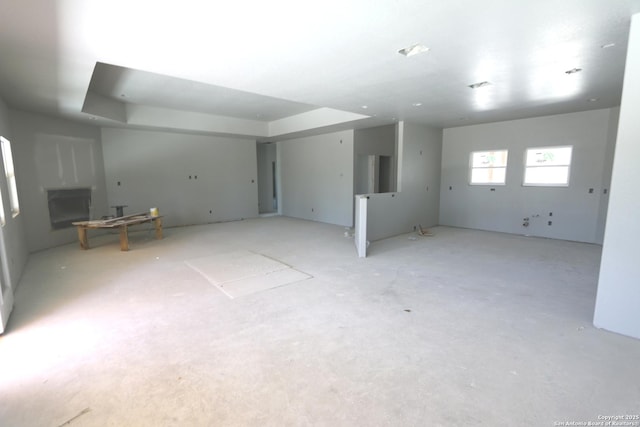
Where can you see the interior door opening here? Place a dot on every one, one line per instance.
(6, 299)
(267, 178)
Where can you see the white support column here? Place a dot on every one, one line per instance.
(618, 300)
(361, 225)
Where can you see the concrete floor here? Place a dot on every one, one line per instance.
(462, 328)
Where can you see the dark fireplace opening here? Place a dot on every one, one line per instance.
(67, 206)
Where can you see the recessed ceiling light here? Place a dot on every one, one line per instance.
(364, 107)
(479, 85)
(608, 45)
(417, 104)
(573, 71)
(592, 99)
(413, 50)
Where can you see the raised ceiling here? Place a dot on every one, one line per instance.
(278, 68)
(144, 88)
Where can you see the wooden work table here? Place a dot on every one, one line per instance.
(123, 223)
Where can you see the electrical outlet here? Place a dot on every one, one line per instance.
(549, 222)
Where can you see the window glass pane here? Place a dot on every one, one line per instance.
(488, 175)
(553, 175)
(487, 159)
(549, 156)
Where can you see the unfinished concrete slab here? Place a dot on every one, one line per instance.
(461, 328)
(243, 272)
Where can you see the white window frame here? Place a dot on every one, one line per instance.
(10, 174)
(528, 167)
(491, 166)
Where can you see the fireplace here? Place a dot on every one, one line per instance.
(68, 205)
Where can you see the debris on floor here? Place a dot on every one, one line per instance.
(84, 411)
(424, 231)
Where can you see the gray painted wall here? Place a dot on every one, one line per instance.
(153, 169)
(52, 153)
(12, 235)
(618, 297)
(317, 178)
(577, 214)
(417, 201)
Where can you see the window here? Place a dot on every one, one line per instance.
(11, 176)
(548, 166)
(488, 167)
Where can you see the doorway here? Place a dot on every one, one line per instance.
(374, 174)
(6, 298)
(267, 178)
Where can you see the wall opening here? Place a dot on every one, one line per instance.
(375, 174)
(67, 206)
(267, 178)
(385, 174)
(275, 186)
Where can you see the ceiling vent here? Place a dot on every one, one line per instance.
(413, 50)
(479, 85)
